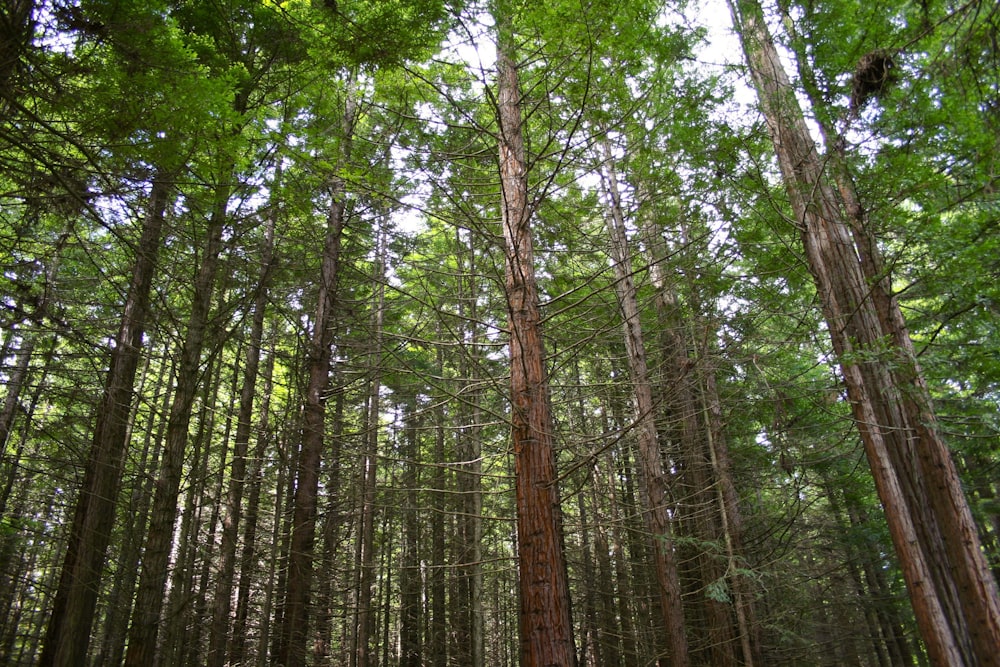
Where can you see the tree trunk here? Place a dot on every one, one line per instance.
(222, 602)
(145, 627)
(237, 647)
(73, 608)
(469, 478)
(438, 645)
(954, 596)
(410, 582)
(651, 462)
(364, 618)
(291, 642)
(545, 625)
(116, 621)
(325, 642)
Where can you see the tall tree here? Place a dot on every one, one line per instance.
(650, 450)
(291, 647)
(545, 623)
(68, 634)
(953, 593)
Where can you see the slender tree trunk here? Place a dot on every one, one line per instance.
(410, 583)
(324, 645)
(546, 627)
(222, 601)
(178, 624)
(469, 478)
(364, 619)
(12, 400)
(627, 591)
(438, 645)
(293, 633)
(238, 643)
(73, 608)
(116, 622)
(651, 463)
(732, 522)
(953, 594)
(281, 537)
(145, 627)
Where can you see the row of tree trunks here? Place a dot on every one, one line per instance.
(68, 636)
(222, 602)
(146, 618)
(365, 565)
(953, 593)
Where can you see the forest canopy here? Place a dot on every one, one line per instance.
(486, 333)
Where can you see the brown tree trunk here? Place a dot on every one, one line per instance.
(545, 625)
(609, 630)
(364, 617)
(650, 457)
(954, 596)
(291, 641)
(410, 584)
(145, 627)
(223, 595)
(438, 639)
(324, 644)
(141, 496)
(732, 522)
(237, 647)
(68, 636)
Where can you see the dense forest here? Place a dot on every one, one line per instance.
(597, 333)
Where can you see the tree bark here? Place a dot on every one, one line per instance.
(954, 596)
(545, 624)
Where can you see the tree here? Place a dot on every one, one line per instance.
(932, 528)
(650, 450)
(546, 627)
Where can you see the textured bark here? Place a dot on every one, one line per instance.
(545, 625)
(652, 477)
(953, 594)
(68, 636)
